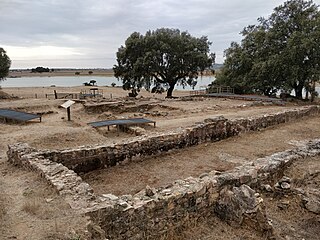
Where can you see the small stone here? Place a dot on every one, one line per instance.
(180, 182)
(59, 186)
(285, 185)
(150, 191)
(123, 204)
(110, 197)
(167, 191)
(203, 175)
(283, 204)
(129, 207)
(138, 204)
(267, 188)
(127, 197)
(312, 204)
(285, 179)
(277, 186)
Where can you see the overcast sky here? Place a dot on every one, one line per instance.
(87, 33)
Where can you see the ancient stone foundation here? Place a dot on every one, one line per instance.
(153, 213)
(86, 159)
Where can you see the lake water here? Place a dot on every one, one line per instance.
(78, 81)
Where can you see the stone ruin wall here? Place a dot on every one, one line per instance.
(118, 106)
(86, 159)
(65, 181)
(154, 213)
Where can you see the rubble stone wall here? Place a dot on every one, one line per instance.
(86, 159)
(65, 181)
(154, 213)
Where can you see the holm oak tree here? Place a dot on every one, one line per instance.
(281, 52)
(5, 64)
(162, 57)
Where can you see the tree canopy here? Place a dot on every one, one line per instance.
(40, 70)
(5, 64)
(281, 52)
(162, 57)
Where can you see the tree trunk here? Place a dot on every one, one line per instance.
(313, 90)
(307, 94)
(298, 91)
(170, 90)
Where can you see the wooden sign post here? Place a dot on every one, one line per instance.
(67, 105)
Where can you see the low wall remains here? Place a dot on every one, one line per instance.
(65, 181)
(86, 159)
(154, 213)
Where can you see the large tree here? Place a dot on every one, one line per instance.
(279, 53)
(162, 57)
(5, 64)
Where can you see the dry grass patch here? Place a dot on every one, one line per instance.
(3, 202)
(32, 206)
(3, 209)
(41, 201)
(61, 236)
(58, 221)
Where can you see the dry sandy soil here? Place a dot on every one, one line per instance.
(29, 209)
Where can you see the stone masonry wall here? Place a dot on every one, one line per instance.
(154, 213)
(86, 159)
(67, 183)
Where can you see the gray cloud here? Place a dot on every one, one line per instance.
(94, 29)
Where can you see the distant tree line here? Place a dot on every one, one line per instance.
(40, 70)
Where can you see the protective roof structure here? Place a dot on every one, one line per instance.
(17, 115)
(130, 121)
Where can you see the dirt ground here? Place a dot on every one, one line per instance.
(29, 209)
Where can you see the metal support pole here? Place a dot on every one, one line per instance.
(69, 115)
